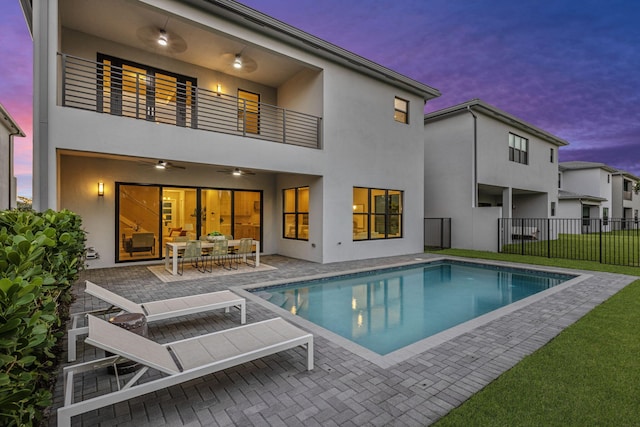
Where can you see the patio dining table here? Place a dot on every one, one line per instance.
(172, 249)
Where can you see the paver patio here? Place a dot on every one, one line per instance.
(345, 388)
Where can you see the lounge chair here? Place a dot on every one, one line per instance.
(180, 361)
(155, 310)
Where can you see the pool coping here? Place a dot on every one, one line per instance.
(423, 345)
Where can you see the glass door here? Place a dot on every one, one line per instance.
(137, 226)
(248, 112)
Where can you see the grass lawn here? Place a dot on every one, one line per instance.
(589, 375)
(620, 248)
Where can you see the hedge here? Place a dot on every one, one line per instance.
(40, 258)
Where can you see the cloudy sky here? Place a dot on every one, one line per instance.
(570, 67)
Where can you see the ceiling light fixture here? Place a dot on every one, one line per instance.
(163, 40)
(237, 63)
(236, 172)
(161, 164)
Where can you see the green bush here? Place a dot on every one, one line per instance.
(40, 257)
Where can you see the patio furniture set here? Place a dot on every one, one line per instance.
(203, 253)
(178, 361)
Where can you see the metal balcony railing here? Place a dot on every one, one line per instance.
(105, 88)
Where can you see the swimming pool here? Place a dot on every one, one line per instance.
(386, 310)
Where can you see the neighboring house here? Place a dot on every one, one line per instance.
(182, 118)
(9, 129)
(625, 199)
(585, 190)
(482, 164)
(592, 190)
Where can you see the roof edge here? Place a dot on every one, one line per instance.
(9, 122)
(266, 24)
(498, 114)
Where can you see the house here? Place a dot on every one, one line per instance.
(592, 190)
(9, 129)
(184, 118)
(625, 201)
(585, 190)
(482, 164)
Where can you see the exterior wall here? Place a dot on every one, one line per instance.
(362, 146)
(569, 209)
(594, 182)
(494, 167)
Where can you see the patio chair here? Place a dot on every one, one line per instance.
(155, 310)
(179, 361)
(140, 242)
(245, 250)
(220, 252)
(192, 252)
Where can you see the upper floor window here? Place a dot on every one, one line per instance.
(518, 149)
(377, 213)
(608, 179)
(401, 110)
(551, 155)
(295, 212)
(559, 180)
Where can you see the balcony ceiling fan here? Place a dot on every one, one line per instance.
(161, 165)
(237, 172)
(160, 39)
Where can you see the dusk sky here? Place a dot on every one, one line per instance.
(570, 67)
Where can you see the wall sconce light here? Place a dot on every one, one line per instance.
(218, 89)
(100, 188)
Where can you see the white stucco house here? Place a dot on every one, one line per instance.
(482, 164)
(9, 129)
(165, 118)
(592, 190)
(625, 200)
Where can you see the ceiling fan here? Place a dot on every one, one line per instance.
(161, 165)
(237, 172)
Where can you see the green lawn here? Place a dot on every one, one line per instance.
(589, 375)
(617, 247)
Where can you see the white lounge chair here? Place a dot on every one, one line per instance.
(180, 361)
(155, 310)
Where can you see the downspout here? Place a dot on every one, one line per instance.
(474, 201)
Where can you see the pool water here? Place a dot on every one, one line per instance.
(390, 309)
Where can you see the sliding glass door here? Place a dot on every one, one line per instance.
(151, 215)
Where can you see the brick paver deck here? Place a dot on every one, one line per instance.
(345, 388)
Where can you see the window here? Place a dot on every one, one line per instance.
(401, 110)
(518, 149)
(551, 155)
(295, 211)
(586, 216)
(377, 213)
(553, 208)
(608, 179)
(605, 216)
(129, 89)
(559, 180)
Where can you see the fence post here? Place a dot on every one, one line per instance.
(522, 234)
(548, 237)
(64, 79)
(600, 239)
(442, 232)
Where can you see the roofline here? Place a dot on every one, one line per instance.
(627, 174)
(498, 114)
(9, 123)
(27, 11)
(593, 166)
(265, 24)
(573, 196)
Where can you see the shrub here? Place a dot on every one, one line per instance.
(40, 257)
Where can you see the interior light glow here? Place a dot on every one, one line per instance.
(162, 39)
(237, 63)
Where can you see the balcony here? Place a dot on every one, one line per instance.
(126, 92)
(627, 195)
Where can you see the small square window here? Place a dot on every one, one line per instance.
(401, 110)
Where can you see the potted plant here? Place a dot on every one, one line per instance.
(215, 235)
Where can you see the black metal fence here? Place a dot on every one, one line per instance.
(608, 241)
(437, 233)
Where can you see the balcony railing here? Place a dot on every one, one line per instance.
(626, 195)
(105, 88)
